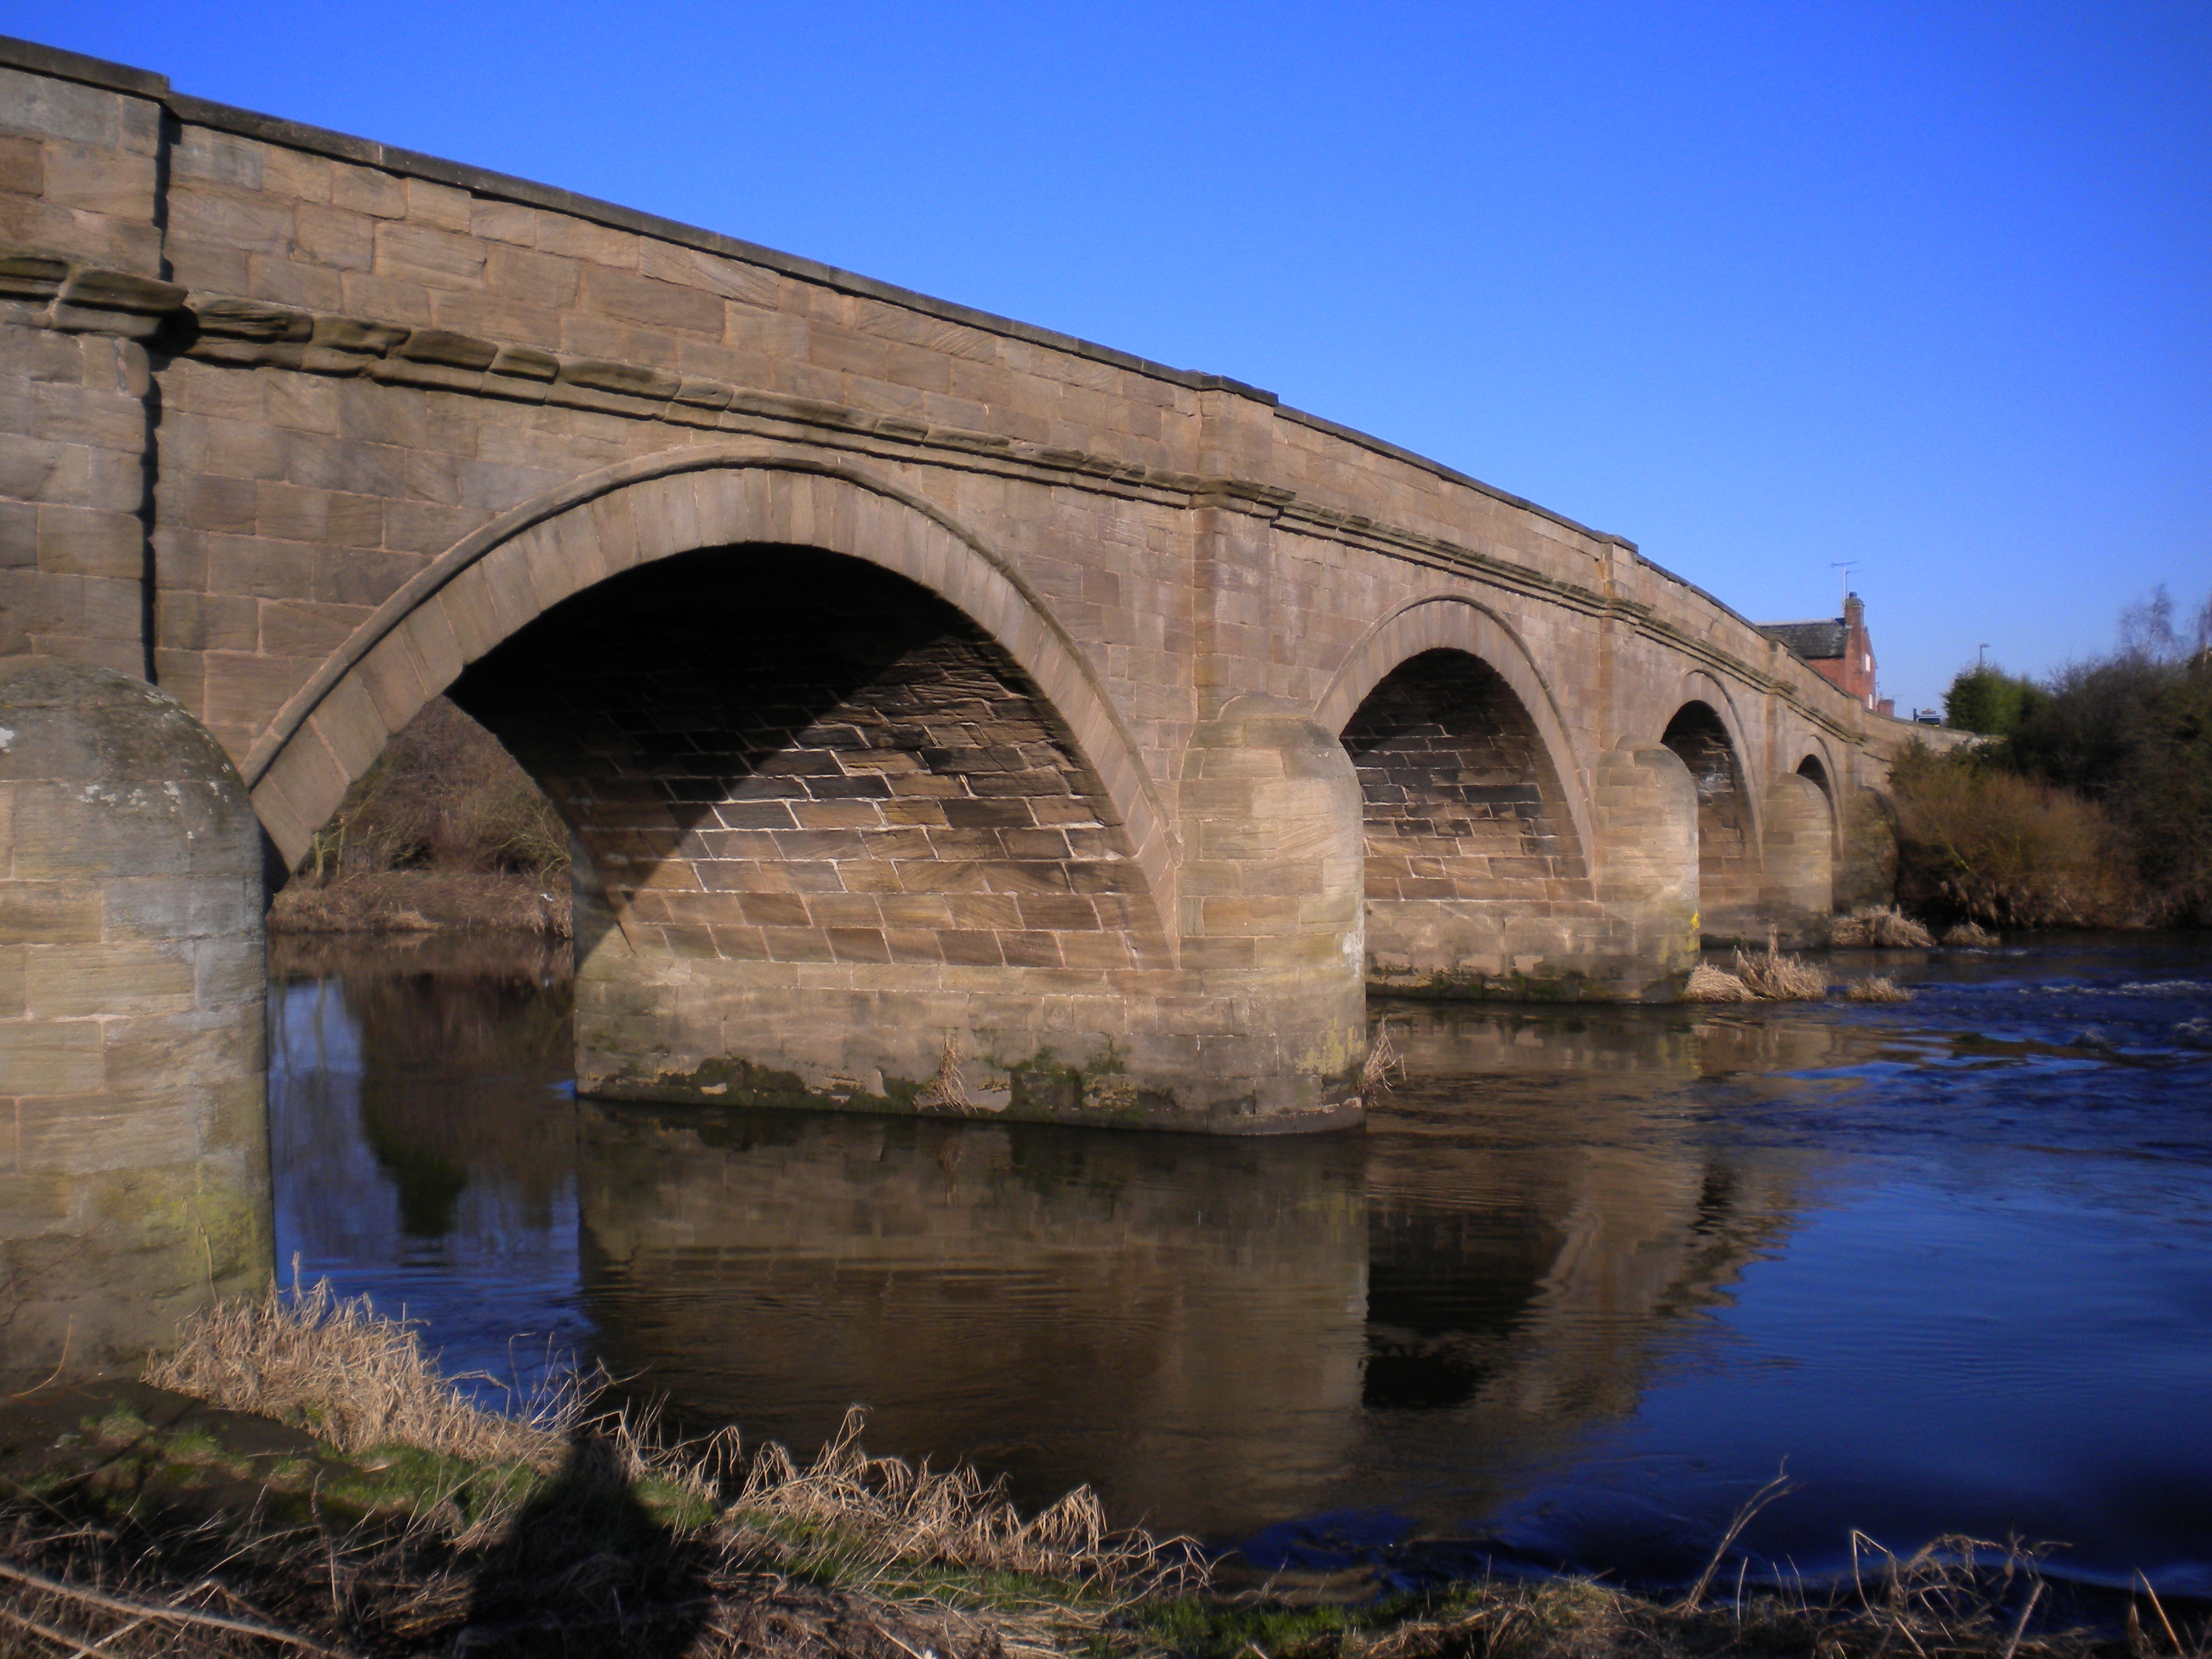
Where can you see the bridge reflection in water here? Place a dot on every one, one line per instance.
(1221, 1335)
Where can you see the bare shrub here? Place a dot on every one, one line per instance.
(1876, 988)
(444, 795)
(1772, 975)
(1711, 984)
(1969, 936)
(1999, 849)
(1878, 927)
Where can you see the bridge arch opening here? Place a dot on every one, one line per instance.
(779, 755)
(1729, 862)
(1472, 854)
(1814, 771)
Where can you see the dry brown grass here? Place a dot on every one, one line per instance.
(1878, 927)
(1969, 936)
(1876, 988)
(588, 1529)
(422, 901)
(625, 1547)
(887, 1525)
(1773, 975)
(1711, 984)
(348, 1375)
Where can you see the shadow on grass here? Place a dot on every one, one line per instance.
(587, 1570)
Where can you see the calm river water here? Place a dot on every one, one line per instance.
(1589, 1278)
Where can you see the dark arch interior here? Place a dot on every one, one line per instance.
(1810, 767)
(781, 754)
(1461, 799)
(1725, 854)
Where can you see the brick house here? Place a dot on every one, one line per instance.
(1837, 648)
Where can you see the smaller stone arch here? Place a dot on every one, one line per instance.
(1451, 621)
(1729, 860)
(1818, 768)
(1477, 846)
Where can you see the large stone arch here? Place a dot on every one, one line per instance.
(1453, 622)
(498, 579)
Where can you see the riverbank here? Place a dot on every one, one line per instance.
(402, 901)
(298, 1478)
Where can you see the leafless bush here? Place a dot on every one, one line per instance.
(443, 796)
(1999, 849)
(1878, 926)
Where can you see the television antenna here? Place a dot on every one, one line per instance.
(1846, 566)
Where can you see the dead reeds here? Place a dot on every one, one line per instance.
(621, 1545)
(1710, 984)
(1774, 975)
(883, 1524)
(1384, 1067)
(1878, 927)
(348, 1375)
(1969, 936)
(1875, 988)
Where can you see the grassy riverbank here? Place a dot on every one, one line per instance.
(299, 1479)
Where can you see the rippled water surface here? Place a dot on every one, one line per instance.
(1589, 1278)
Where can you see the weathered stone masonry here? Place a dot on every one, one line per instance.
(911, 676)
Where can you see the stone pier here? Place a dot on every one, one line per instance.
(134, 1159)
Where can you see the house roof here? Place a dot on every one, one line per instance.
(1815, 641)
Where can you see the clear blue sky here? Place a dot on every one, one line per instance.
(1759, 286)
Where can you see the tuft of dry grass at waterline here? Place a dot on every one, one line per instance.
(1773, 975)
(1969, 936)
(580, 1536)
(1878, 927)
(1710, 984)
(1876, 988)
(343, 1371)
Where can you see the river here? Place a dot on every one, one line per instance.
(1590, 1276)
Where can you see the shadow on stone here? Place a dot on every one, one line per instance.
(585, 1570)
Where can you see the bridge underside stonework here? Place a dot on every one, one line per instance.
(949, 713)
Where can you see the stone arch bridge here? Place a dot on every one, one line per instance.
(917, 683)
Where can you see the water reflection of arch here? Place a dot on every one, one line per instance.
(1636, 1225)
(1133, 1310)
(1219, 1335)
